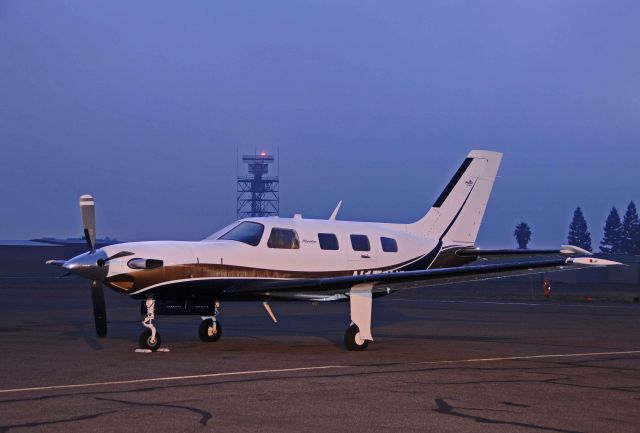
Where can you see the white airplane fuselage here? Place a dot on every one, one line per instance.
(222, 259)
(297, 248)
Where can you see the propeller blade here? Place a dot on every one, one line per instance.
(99, 308)
(118, 255)
(102, 262)
(87, 210)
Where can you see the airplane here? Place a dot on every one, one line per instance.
(296, 259)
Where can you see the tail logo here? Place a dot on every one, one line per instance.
(469, 183)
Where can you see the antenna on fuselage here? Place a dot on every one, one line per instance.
(335, 212)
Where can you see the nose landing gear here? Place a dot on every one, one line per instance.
(150, 338)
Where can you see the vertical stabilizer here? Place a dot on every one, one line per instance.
(457, 213)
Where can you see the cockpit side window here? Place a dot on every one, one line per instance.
(247, 232)
(283, 238)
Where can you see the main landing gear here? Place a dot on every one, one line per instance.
(150, 338)
(353, 340)
(210, 329)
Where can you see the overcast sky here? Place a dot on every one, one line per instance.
(144, 104)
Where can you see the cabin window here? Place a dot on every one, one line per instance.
(283, 238)
(328, 241)
(360, 243)
(389, 245)
(247, 232)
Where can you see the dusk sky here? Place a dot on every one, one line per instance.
(144, 105)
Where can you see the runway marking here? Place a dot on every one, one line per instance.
(322, 367)
(164, 379)
(533, 304)
(438, 301)
(515, 358)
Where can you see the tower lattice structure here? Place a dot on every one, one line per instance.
(258, 193)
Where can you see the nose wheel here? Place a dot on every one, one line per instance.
(149, 341)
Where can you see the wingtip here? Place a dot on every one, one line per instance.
(593, 261)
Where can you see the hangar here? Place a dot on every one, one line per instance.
(19, 258)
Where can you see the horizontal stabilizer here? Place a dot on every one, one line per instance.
(55, 262)
(505, 253)
(572, 249)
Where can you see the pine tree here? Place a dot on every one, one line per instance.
(578, 233)
(631, 231)
(523, 235)
(612, 240)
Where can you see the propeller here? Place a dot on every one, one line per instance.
(99, 308)
(87, 211)
(92, 264)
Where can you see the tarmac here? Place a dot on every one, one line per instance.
(436, 365)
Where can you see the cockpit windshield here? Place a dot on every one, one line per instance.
(216, 235)
(248, 232)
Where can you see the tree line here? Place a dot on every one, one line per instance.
(620, 236)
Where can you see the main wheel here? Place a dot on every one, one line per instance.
(352, 339)
(146, 342)
(206, 331)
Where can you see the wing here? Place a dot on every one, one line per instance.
(362, 288)
(383, 282)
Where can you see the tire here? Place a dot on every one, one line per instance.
(350, 339)
(146, 343)
(205, 330)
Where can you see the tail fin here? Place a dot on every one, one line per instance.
(456, 215)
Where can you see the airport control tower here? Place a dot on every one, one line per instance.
(258, 193)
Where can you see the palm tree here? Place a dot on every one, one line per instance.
(523, 235)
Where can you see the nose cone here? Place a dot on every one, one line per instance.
(89, 265)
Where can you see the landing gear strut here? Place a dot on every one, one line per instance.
(150, 338)
(210, 329)
(353, 340)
